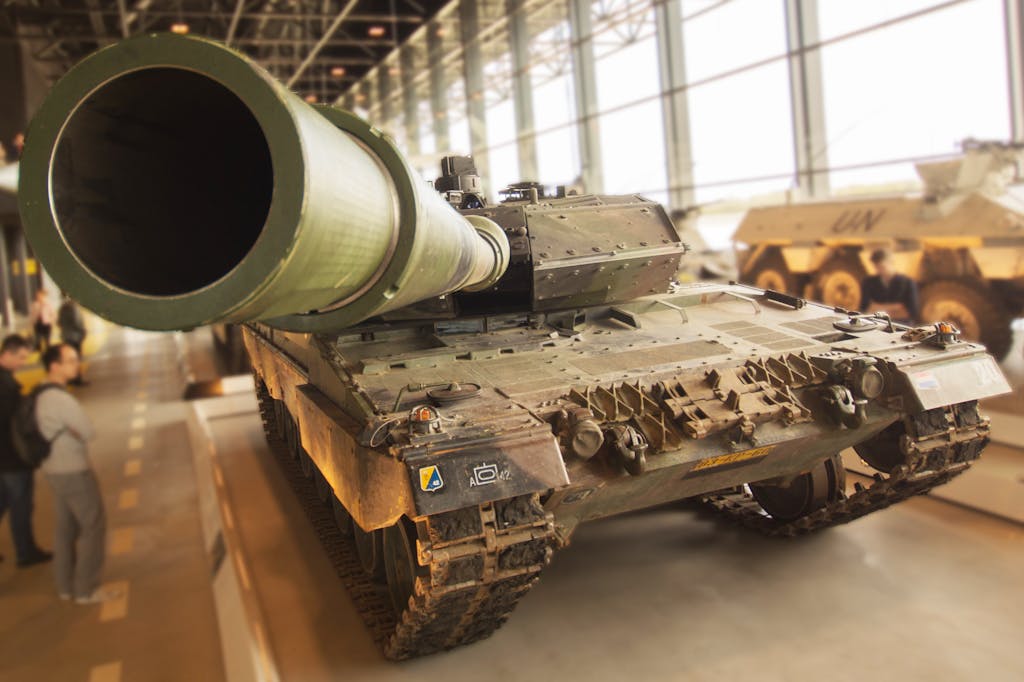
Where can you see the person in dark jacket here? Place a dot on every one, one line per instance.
(42, 316)
(72, 331)
(16, 477)
(889, 291)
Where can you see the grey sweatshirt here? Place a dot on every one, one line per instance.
(55, 410)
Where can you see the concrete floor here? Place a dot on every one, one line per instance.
(164, 627)
(925, 590)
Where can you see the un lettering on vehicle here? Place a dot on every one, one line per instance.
(857, 221)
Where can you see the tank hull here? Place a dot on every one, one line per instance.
(727, 388)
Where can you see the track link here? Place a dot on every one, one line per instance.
(940, 443)
(475, 563)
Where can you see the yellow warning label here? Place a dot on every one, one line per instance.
(722, 460)
(430, 479)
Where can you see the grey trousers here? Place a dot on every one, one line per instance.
(81, 528)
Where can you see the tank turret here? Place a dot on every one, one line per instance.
(462, 385)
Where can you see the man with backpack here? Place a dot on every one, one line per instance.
(80, 521)
(16, 475)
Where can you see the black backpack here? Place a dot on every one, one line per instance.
(28, 442)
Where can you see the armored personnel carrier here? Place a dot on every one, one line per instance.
(453, 393)
(962, 240)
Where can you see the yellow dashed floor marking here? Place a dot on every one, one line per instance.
(117, 608)
(129, 499)
(132, 467)
(108, 672)
(122, 541)
(135, 443)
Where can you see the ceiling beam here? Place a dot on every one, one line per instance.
(122, 17)
(364, 17)
(341, 42)
(96, 21)
(249, 42)
(324, 39)
(334, 60)
(235, 16)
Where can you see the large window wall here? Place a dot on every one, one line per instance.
(554, 115)
(739, 94)
(629, 109)
(772, 92)
(910, 89)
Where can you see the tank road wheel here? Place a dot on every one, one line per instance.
(882, 451)
(400, 565)
(323, 488)
(838, 283)
(309, 469)
(268, 411)
(370, 548)
(771, 273)
(807, 493)
(286, 427)
(342, 519)
(967, 305)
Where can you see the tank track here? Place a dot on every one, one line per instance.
(941, 444)
(478, 561)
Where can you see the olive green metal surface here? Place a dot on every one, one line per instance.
(130, 234)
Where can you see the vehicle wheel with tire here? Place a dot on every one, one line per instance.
(771, 273)
(838, 283)
(968, 305)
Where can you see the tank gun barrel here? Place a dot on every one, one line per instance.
(169, 182)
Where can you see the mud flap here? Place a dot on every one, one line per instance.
(958, 381)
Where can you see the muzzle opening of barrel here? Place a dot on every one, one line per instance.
(161, 181)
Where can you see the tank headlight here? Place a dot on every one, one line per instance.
(870, 383)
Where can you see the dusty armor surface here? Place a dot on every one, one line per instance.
(962, 240)
(478, 383)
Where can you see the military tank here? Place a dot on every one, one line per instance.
(453, 392)
(961, 239)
